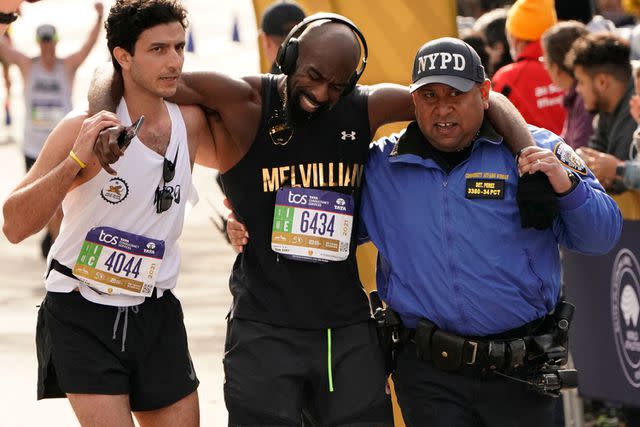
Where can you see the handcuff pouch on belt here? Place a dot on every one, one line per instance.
(447, 351)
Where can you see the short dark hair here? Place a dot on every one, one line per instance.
(557, 41)
(478, 44)
(582, 10)
(279, 18)
(601, 53)
(129, 18)
(492, 25)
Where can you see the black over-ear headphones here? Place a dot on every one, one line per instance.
(288, 52)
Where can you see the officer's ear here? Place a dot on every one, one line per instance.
(485, 89)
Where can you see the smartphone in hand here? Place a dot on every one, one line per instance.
(128, 133)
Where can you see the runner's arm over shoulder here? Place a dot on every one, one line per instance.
(214, 90)
(106, 89)
(202, 148)
(508, 122)
(235, 105)
(389, 103)
(33, 202)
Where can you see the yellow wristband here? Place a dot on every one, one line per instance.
(77, 160)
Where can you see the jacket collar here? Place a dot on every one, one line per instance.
(531, 52)
(413, 142)
(624, 101)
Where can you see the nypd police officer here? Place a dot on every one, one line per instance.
(473, 288)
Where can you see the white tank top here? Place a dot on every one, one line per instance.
(126, 202)
(47, 100)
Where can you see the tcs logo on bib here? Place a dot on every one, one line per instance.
(107, 238)
(297, 199)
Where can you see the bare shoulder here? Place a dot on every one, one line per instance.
(198, 133)
(70, 125)
(193, 115)
(255, 83)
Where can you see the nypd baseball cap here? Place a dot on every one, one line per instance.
(449, 61)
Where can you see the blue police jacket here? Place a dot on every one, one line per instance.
(451, 246)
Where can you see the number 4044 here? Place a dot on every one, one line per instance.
(119, 262)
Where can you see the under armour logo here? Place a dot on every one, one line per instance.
(351, 135)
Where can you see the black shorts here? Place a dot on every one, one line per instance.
(274, 374)
(89, 348)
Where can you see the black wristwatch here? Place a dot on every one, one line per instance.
(621, 169)
(8, 18)
(574, 183)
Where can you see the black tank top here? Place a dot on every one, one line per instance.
(328, 152)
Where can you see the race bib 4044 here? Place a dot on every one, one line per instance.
(112, 261)
(312, 225)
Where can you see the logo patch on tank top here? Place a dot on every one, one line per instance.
(115, 191)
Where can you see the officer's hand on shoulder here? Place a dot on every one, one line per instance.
(536, 159)
(542, 178)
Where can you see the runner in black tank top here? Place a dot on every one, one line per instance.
(327, 152)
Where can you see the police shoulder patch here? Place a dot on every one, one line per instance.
(570, 158)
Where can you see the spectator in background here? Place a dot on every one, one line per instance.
(7, 85)
(578, 10)
(613, 10)
(476, 41)
(491, 26)
(476, 8)
(633, 7)
(47, 88)
(277, 20)
(600, 64)
(556, 42)
(629, 172)
(525, 82)
(471, 10)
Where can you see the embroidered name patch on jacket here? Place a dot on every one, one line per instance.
(482, 188)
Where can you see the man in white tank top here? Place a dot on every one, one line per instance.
(110, 334)
(47, 93)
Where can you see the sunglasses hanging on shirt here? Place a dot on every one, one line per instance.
(164, 197)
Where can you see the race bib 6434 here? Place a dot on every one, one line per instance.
(312, 225)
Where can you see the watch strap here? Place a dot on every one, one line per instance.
(574, 183)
